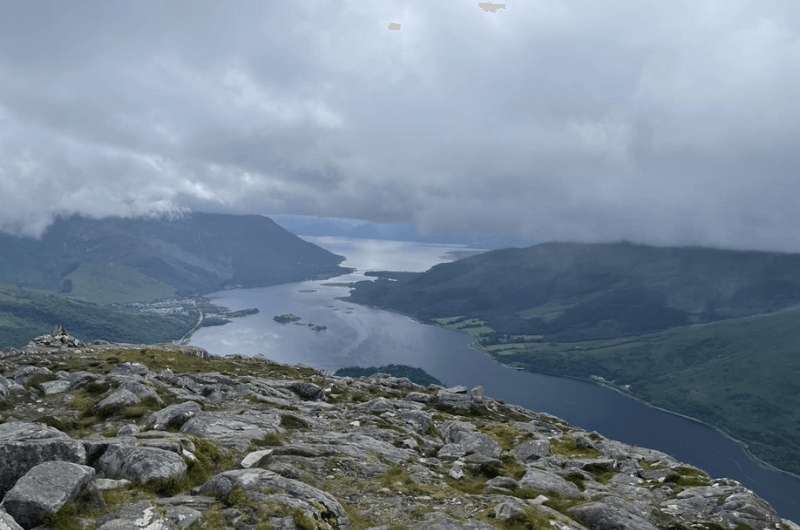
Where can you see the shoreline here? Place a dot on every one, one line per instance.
(475, 345)
(610, 386)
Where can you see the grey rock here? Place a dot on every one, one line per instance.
(7, 522)
(173, 416)
(421, 422)
(603, 516)
(457, 471)
(138, 516)
(546, 482)
(143, 392)
(24, 445)
(130, 369)
(510, 510)
(451, 452)
(233, 431)
(313, 499)
(130, 429)
(377, 406)
(419, 397)
(95, 447)
(141, 464)
(501, 484)
(582, 441)
(726, 503)
(464, 434)
(460, 403)
(117, 401)
(532, 450)
(200, 503)
(44, 490)
(8, 388)
(306, 390)
(255, 458)
(57, 386)
(183, 517)
(24, 374)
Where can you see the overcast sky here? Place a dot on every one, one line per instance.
(658, 121)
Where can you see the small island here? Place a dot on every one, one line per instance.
(286, 318)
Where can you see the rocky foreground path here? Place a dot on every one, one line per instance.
(121, 437)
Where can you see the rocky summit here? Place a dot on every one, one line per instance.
(118, 437)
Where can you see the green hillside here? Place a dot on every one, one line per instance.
(124, 260)
(714, 334)
(26, 313)
(742, 375)
(572, 291)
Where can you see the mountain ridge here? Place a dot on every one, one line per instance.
(174, 437)
(150, 258)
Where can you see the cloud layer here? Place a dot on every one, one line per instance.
(666, 122)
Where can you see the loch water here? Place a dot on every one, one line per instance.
(363, 336)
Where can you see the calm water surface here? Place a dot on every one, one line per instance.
(362, 336)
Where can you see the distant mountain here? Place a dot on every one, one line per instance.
(123, 260)
(358, 228)
(573, 291)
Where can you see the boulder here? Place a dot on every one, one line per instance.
(183, 516)
(533, 450)
(44, 490)
(501, 484)
(6, 386)
(233, 431)
(510, 510)
(130, 429)
(546, 482)
(141, 464)
(311, 499)
(306, 390)
(465, 435)
(95, 447)
(143, 392)
(25, 374)
(254, 459)
(605, 516)
(173, 416)
(24, 445)
(460, 403)
(421, 422)
(130, 369)
(117, 401)
(57, 386)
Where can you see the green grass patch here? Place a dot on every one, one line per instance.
(566, 447)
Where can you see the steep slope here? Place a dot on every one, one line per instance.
(190, 440)
(123, 260)
(571, 291)
(742, 375)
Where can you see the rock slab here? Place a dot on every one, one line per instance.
(44, 490)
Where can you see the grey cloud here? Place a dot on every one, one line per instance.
(667, 122)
